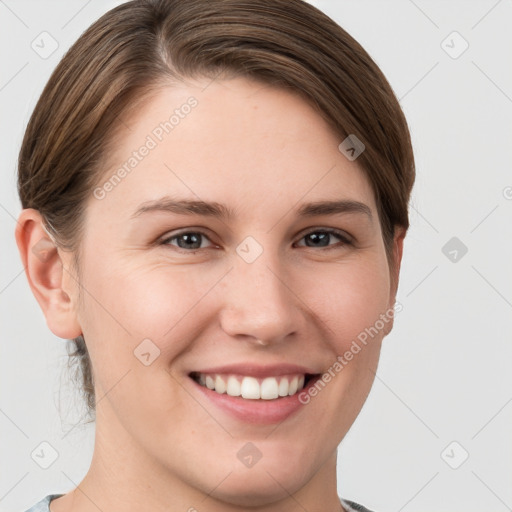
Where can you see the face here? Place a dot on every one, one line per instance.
(207, 264)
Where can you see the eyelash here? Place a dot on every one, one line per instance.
(339, 234)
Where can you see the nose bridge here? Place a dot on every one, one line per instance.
(257, 302)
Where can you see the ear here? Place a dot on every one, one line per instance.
(48, 274)
(397, 251)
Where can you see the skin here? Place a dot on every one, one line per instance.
(160, 445)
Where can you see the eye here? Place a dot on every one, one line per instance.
(188, 240)
(191, 241)
(321, 238)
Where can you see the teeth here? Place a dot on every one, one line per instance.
(220, 385)
(293, 386)
(269, 389)
(252, 388)
(210, 383)
(283, 387)
(233, 388)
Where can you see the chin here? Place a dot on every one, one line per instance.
(258, 488)
(267, 482)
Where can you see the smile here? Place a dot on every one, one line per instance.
(252, 388)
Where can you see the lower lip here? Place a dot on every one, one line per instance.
(262, 412)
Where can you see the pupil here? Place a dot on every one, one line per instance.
(190, 239)
(319, 236)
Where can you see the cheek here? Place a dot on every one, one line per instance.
(171, 306)
(349, 302)
(126, 304)
(124, 307)
(350, 299)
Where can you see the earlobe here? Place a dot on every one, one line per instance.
(45, 268)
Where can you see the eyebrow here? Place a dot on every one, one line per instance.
(219, 210)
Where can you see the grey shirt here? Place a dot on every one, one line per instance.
(44, 505)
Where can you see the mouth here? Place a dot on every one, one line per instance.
(253, 388)
(255, 394)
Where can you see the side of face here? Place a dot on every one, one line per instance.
(266, 286)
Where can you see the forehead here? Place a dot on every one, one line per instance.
(237, 141)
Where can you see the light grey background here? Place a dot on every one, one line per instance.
(445, 372)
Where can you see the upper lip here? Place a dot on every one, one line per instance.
(254, 370)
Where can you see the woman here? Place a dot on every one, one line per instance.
(214, 206)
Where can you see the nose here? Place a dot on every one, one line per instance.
(259, 304)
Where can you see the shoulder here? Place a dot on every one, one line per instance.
(351, 506)
(44, 504)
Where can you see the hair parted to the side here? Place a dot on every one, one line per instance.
(144, 45)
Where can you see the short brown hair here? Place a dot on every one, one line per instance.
(143, 45)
